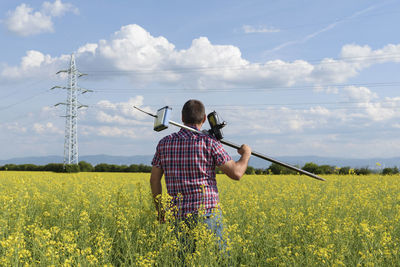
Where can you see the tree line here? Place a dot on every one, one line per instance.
(321, 169)
(83, 166)
(274, 168)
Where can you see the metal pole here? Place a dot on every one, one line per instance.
(233, 145)
(262, 156)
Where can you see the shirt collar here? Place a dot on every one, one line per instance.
(188, 132)
(193, 127)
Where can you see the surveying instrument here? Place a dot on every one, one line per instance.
(162, 121)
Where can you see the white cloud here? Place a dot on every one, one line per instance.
(133, 48)
(205, 65)
(396, 125)
(327, 89)
(116, 132)
(318, 110)
(58, 8)
(370, 106)
(121, 118)
(133, 51)
(353, 59)
(34, 64)
(115, 119)
(88, 48)
(116, 126)
(362, 94)
(111, 131)
(125, 108)
(47, 128)
(386, 109)
(364, 56)
(24, 21)
(145, 59)
(281, 120)
(259, 29)
(15, 127)
(378, 112)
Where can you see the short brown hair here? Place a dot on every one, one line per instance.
(193, 112)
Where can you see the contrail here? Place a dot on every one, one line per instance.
(327, 28)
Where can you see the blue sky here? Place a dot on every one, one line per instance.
(289, 77)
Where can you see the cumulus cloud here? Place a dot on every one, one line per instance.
(117, 131)
(124, 108)
(282, 120)
(370, 106)
(134, 51)
(119, 119)
(146, 59)
(353, 59)
(34, 64)
(46, 128)
(24, 21)
(361, 93)
(363, 108)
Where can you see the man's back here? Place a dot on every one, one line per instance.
(188, 160)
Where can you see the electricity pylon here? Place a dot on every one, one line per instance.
(71, 113)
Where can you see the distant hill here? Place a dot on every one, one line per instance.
(255, 162)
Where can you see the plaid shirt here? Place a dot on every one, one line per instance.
(188, 160)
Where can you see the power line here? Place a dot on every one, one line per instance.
(279, 106)
(19, 91)
(24, 100)
(28, 82)
(241, 89)
(248, 67)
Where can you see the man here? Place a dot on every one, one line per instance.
(188, 161)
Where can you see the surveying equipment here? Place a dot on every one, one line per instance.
(216, 126)
(162, 121)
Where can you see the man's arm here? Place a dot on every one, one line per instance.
(235, 170)
(156, 189)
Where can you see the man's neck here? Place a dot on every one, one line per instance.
(195, 126)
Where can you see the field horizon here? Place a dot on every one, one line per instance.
(371, 163)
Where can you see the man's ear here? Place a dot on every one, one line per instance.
(204, 119)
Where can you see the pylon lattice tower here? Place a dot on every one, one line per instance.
(71, 155)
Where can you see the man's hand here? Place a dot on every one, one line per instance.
(236, 170)
(244, 150)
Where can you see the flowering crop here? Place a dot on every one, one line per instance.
(108, 219)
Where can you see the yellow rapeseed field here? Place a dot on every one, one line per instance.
(108, 219)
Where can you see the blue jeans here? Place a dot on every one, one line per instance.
(213, 222)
